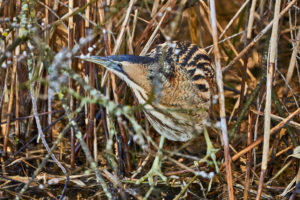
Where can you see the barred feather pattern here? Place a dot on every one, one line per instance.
(188, 83)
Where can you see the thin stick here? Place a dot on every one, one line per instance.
(277, 118)
(227, 41)
(184, 189)
(71, 82)
(251, 19)
(257, 38)
(42, 165)
(42, 136)
(169, 5)
(249, 156)
(233, 18)
(9, 112)
(154, 8)
(114, 85)
(152, 37)
(124, 25)
(91, 78)
(292, 61)
(259, 140)
(267, 121)
(221, 101)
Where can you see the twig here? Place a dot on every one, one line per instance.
(170, 4)
(251, 19)
(184, 189)
(219, 79)
(71, 82)
(257, 38)
(293, 60)
(10, 48)
(41, 166)
(273, 130)
(9, 112)
(151, 39)
(233, 18)
(277, 118)
(85, 149)
(267, 120)
(42, 136)
(281, 113)
(120, 38)
(124, 25)
(249, 156)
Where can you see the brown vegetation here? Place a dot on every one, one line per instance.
(71, 129)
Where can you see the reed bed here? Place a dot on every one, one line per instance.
(70, 129)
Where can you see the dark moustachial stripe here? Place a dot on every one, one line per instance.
(202, 87)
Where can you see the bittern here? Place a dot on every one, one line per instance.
(180, 78)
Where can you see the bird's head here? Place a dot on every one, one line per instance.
(134, 70)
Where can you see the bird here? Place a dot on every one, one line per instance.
(175, 83)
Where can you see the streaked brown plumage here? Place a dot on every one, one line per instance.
(180, 78)
(188, 84)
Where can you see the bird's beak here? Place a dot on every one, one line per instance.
(106, 62)
(127, 67)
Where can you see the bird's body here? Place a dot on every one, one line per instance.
(187, 79)
(180, 78)
(175, 83)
